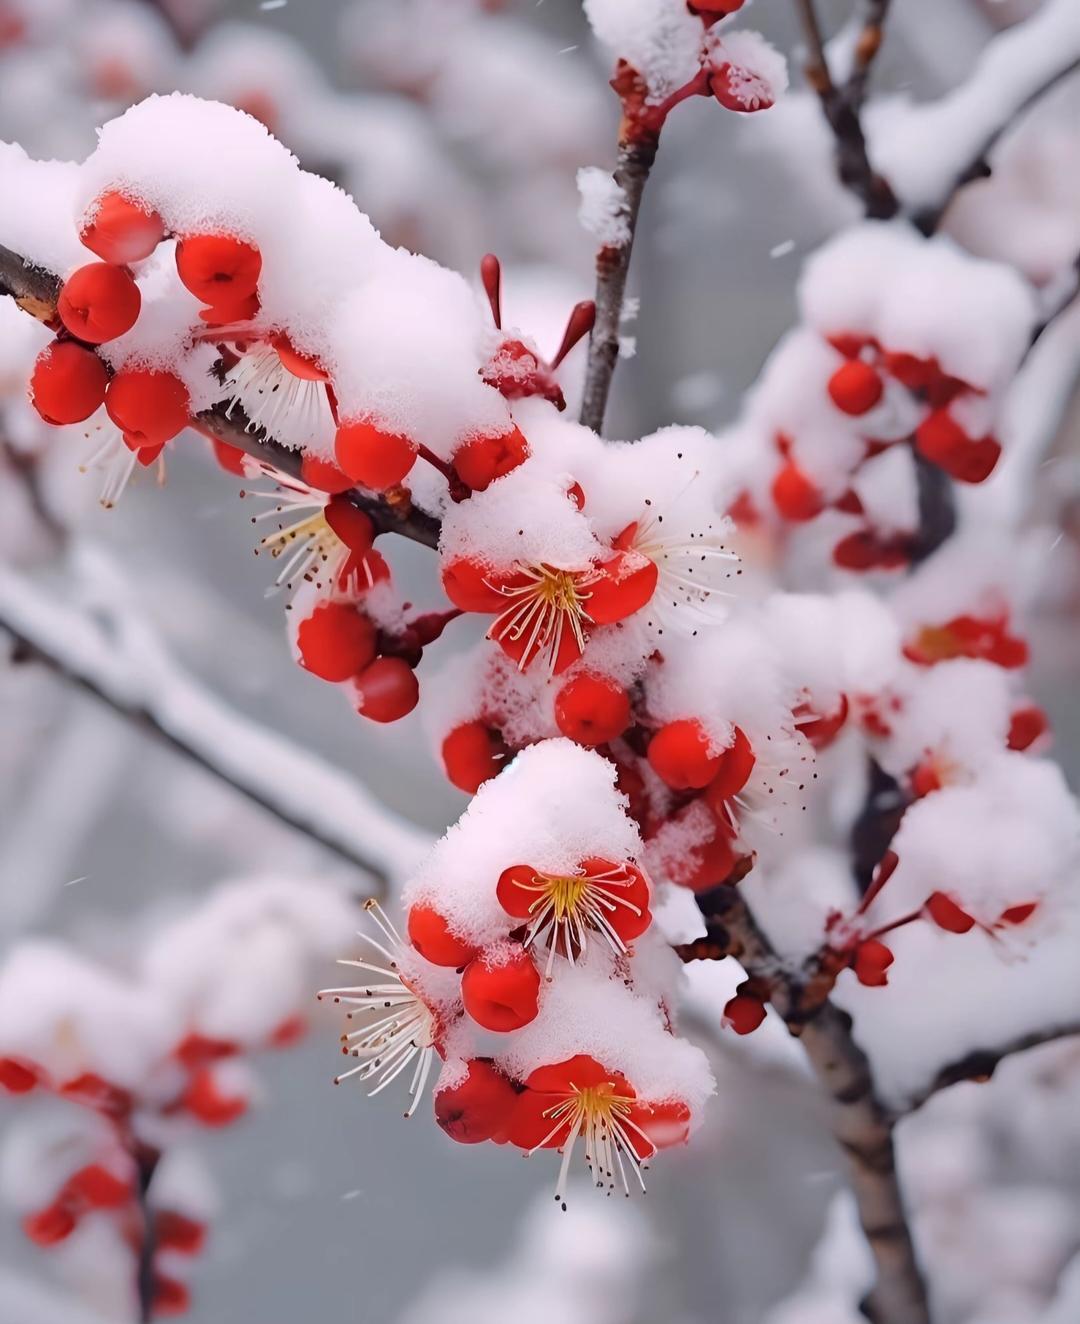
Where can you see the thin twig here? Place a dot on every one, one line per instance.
(36, 291)
(841, 110)
(928, 219)
(102, 646)
(867, 45)
(981, 1063)
(146, 1163)
(634, 162)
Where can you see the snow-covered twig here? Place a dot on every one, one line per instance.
(981, 1063)
(929, 151)
(840, 105)
(98, 641)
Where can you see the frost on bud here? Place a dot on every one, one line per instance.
(207, 1100)
(68, 383)
(1027, 725)
(747, 73)
(477, 1108)
(121, 230)
(99, 302)
(480, 460)
(17, 1077)
(501, 989)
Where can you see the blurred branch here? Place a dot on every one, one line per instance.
(101, 644)
(146, 1163)
(867, 45)
(634, 162)
(977, 164)
(981, 1063)
(861, 1125)
(841, 109)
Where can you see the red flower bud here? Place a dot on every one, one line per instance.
(430, 934)
(99, 302)
(373, 457)
(68, 383)
(336, 641)
(122, 230)
(218, 268)
(855, 387)
(681, 754)
(479, 1107)
(386, 690)
(472, 753)
(149, 407)
(592, 710)
(502, 997)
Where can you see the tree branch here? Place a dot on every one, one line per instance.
(146, 1162)
(36, 291)
(861, 1125)
(841, 109)
(634, 162)
(981, 1063)
(867, 45)
(977, 166)
(393, 513)
(99, 643)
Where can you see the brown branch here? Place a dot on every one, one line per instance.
(33, 288)
(146, 1164)
(861, 1125)
(393, 513)
(867, 45)
(981, 1063)
(36, 291)
(841, 109)
(635, 160)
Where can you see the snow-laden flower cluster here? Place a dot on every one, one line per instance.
(531, 966)
(906, 349)
(147, 1056)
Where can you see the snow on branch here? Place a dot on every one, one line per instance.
(928, 151)
(99, 641)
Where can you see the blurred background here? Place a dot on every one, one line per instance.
(459, 126)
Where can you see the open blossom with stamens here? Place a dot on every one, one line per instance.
(546, 615)
(580, 1099)
(285, 393)
(396, 1026)
(309, 543)
(562, 909)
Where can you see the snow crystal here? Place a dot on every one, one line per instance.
(603, 207)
